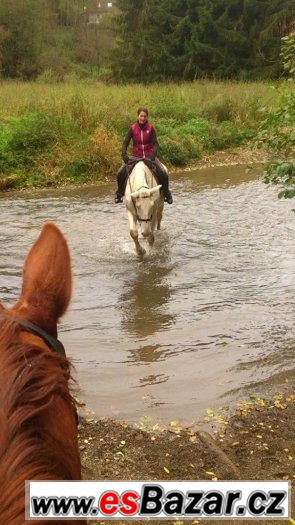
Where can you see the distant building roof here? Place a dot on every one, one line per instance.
(104, 4)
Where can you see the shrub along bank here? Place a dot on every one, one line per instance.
(52, 134)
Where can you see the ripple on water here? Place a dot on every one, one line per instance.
(207, 316)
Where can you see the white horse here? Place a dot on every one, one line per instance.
(144, 204)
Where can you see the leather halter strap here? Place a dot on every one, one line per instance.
(53, 343)
(135, 207)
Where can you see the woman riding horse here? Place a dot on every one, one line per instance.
(145, 147)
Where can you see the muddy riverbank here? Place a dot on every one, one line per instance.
(256, 442)
(230, 157)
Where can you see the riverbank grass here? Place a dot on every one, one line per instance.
(52, 134)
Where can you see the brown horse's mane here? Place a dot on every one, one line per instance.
(37, 423)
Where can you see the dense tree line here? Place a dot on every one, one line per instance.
(51, 35)
(188, 39)
(156, 39)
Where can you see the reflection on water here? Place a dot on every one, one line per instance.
(207, 317)
(144, 303)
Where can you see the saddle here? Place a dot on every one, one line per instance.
(149, 163)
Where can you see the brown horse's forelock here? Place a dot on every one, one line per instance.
(30, 379)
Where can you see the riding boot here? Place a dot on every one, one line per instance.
(121, 180)
(163, 179)
(168, 197)
(118, 197)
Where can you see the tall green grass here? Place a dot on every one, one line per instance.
(63, 133)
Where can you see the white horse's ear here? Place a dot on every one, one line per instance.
(134, 195)
(156, 188)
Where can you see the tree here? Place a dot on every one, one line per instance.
(50, 35)
(273, 20)
(127, 26)
(21, 23)
(276, 132)
(160, 39)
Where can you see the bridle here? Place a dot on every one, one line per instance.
(140, 219)
(53, 343)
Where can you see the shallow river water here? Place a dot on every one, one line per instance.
(206, 319)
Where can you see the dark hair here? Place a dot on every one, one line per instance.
(145, 110)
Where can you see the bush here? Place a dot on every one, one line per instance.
(276, 131)
(197, 127)
(219, 109)
(201, 134)
(21, 139)
(171, 108)
(106, 148)
(196, 130)
(229, 134)
(192, 146)
(173, 152)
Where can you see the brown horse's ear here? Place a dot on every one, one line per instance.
(47, 281)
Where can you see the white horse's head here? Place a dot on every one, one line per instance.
(144, 200)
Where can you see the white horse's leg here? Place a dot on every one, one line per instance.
(159, 215)
(134, 234)
(151, 239)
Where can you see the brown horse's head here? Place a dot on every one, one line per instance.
(38, 434)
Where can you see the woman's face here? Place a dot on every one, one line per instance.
(142, 118)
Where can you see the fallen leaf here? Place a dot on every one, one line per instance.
(259, 402)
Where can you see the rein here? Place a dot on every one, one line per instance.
(53, 343)
(134, 204)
